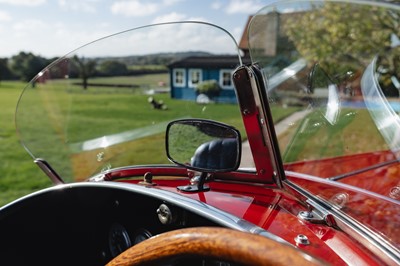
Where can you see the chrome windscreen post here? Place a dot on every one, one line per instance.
(49, 171)
(257, 118)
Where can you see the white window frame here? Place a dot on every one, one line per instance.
(175, 72)
(200, 79)
(221, 78)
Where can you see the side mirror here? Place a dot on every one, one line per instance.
(203, 145)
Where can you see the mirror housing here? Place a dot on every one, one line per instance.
(203, 145)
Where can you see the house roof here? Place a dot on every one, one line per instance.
(211, 61)
(273, 29)
(244, 43)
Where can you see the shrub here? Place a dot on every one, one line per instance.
(208, 87)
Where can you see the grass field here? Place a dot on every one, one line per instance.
(123, 109)
(51, 117)
(313, 138)
(76, 116)
(21, 176)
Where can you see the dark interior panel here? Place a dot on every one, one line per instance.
(72, 226)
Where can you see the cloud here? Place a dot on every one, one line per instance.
(216, 5)
(140, 8)
(47, 39)
(4, 16)
(238, 6)
(149, 40)
(23, 2)
(29, 26)
(237, 32)
(77, 5)
(177, 17)
(169, 17)
(171, 2)
(63, 38)
(134, 8)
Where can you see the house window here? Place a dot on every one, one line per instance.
(195, 77)
(179, 77)
(225, 79)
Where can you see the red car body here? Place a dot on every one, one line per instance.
(311, 190)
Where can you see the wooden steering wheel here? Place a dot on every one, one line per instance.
(217, 243)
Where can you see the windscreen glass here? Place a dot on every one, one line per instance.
(333, 78)
(332, 72)
(107, 104)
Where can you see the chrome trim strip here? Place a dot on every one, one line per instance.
(368, 238)
(202, 209)
(340, 185)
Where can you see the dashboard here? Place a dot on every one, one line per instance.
(89, 224)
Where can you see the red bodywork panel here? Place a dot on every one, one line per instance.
(380, 210)
(387, 170)
(270, 208)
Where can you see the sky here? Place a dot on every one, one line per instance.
(51, 28)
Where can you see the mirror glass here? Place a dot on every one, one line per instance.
(203, 145)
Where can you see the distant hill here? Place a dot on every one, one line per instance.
(152, 59)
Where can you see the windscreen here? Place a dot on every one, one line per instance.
(333, 79)
(332, 72)
(107, 104)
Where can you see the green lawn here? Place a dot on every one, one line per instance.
(98, 112)
(150, 80)
(312, 138)
(93, 111)
(19, 175)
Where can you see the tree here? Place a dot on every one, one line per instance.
(342, 37)
(5, 72)
(26, 65)
(210, 88)
(86, 69)
(113, 68)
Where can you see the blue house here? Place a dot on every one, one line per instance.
(187, 73)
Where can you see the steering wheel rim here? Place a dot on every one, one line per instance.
(214, 242)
